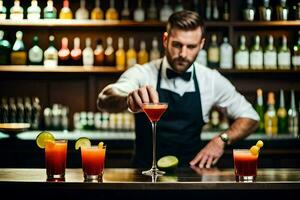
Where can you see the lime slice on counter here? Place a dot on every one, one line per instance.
(168, 162)
(82, 142)
(43, 138)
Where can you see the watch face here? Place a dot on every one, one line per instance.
(224, 137)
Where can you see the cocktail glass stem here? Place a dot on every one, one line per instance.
(154, 170)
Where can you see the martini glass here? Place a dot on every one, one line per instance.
(154, 111)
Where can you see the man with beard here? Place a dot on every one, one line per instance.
(190, 90)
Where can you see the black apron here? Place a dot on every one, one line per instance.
(178, 131)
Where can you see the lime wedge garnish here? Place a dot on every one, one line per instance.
(82, 142)
(43, 138)
(260, 144)
(254, 150)
(167, 162)
(100, 145)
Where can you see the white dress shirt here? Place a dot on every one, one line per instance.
(215, 89)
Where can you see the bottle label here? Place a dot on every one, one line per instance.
(226, 58)
(242, 60)
(33, 16)
(270, 60)
(284, 60)
(2, 16)
(256, 60)
(296, 61)
(213, 55)
(16, 16)
(18, 58)
(35, 57)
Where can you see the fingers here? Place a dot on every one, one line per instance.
(209, 162)
(196, 159)
(142, 95)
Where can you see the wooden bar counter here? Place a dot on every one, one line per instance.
(128, 183)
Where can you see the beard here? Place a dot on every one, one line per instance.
(179, 64)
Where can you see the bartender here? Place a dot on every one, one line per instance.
(190, 90)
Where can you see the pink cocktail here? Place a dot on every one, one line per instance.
(245, 165)
(93, 159)
(154, 111)
(55, 158)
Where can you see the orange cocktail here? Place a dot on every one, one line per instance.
(93, 158)
(55, 158)
(245, 165)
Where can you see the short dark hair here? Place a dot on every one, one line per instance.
(185, 20)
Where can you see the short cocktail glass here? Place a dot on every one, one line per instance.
(154, 111)
(245, 165)
(55, 158)
(93, 159)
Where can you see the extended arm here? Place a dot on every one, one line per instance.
(211, 153)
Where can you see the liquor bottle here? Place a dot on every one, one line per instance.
(215, 11)
(226, 56)
(213, 52)
(265, 11)
(35, 117)
(284, 55)
(50, 11)
(27, 110)
(112, 13)
(34, 11)
(256, 54)
(5, 50)
(109, 53)
(51, 54)
(282, 11)
(270, 54)
(154, 52)
(120, 55)
(4, 111)
(20, 110)
(282, 115)
(271, 120)
(2, 11)
(293, 116)
(12, 110)
(241, 57)
(226, 14)
(16, 12)
(152, 11)
(202, 57)
(179, 6)
(82, 12)
(97, 12)
(259, 107)
(208, 10)
(88, 53)
(18, 55)
(296, 55)
(125, 13)
(76, 53)
(35, 54)
(64, 53)
(143, 56)
(249, 11)
(165, 12)
(139, 13)
(65, 12)
(197, 7)
(99, 54)
(131, 54)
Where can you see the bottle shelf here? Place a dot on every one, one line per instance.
(59, 69)
(130, 23)
(109, 69)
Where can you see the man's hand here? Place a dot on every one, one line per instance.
(136, 98)
(210, 154)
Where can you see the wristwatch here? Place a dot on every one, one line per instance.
(224, 137)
